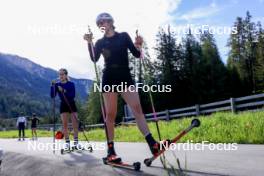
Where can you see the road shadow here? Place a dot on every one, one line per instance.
(125, 172)
(81, 158)
(187, 172)
(86, 159)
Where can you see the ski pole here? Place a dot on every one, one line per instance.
(150, 96)
(53, 109)
(92, 54)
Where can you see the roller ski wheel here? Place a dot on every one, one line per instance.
(105, 161)
(63, 151)
(137, 166)
(76, 148)
(147, 162)
(90, 149)
(66, 150)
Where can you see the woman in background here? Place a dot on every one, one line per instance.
(34, 123)
(66, 91)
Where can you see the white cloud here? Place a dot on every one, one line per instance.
(50, 32)
(201, 12)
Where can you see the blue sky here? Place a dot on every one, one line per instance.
(217, 13)
(50, 32)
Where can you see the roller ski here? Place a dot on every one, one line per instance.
(75, 148)
(155, 149)
(117, 162)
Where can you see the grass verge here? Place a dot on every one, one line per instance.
(222, 127)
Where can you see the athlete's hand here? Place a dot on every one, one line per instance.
(60, 89)
(53, 82)
(88, 37)
(138, 42)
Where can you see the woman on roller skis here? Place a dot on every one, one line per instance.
(66, 91)
(114, 47)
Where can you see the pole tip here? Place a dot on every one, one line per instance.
(196, 123)
(137, 32)
(89, 29)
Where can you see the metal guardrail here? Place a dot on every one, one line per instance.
(232, 104)
(252, 102)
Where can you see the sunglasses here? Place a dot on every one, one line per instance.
(101, 22)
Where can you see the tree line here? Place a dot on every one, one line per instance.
(194, 69)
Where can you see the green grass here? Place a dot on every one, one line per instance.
(246, 127)
(14, 133)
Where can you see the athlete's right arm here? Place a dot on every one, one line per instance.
(25, 121)
(53, 90)
(17, 122)
(94, 51)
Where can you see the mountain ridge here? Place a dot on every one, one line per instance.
(25, 86)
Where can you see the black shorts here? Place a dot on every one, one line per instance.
(33, 126)
(116, 76)
(64, 107)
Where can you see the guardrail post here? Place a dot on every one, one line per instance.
(125, 113)
(124, 119)
(197, 109)
(233, 105)
(167, 115)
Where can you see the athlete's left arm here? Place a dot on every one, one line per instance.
(71, 91)
(131, 46)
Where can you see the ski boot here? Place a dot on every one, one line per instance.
(111, 154)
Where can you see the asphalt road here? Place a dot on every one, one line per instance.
(21, 159)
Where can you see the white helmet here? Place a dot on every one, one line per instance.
(104, 16)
